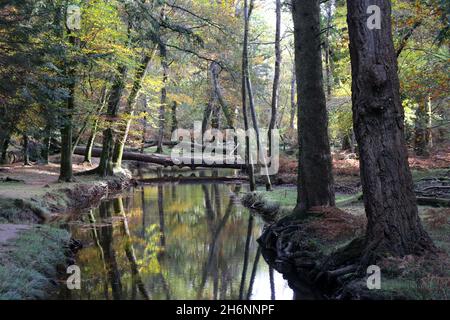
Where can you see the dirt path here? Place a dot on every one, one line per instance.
(10, 231)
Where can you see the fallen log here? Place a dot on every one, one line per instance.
(434, 202)
(193, 180)
(163, 160)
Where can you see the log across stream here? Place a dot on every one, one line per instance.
(164, 160)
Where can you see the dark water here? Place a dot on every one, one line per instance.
(173, 241)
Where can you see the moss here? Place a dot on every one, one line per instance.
(29, 265)
(410, 289)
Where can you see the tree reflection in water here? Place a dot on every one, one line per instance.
(174, 242)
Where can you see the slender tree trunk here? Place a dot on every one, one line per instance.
(94, 128)
(430, 123)
(293, 100)
(328, 48)
(248, 160)
(4, 150)
(141, 72)
(144, 126)
(276, 81)
(46, 143)
(262, 152)
(90, 143)
(174, 116)
(26, 153)
(421, 130)
(315, 177)
(394, 227)
(162, 107)
(227, 111)
(66, 171)
(248, 83)
(106, 166)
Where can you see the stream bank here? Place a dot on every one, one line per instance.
(32, 253)
(315, 256)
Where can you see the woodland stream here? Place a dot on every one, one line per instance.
(173, 241)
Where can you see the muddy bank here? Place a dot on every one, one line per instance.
(50, 201)
(319, 255)
(33, 255)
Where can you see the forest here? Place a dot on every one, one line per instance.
(224, 150)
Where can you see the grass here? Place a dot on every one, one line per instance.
(152, 150)
(28, 264)
(286, 197)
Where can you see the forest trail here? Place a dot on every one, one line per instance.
(9, 232)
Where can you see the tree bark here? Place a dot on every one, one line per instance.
(394, 227)
(329, 11)
(162, 107)
(46, 143)
(26, 154)
(421, 135)
(248, 161)
(293, 99)
(315, 178)
(106, 166)
(174, 116)
(66, 170)
(276, 80)
(141, 72)
(4, 150)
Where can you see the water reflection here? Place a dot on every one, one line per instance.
(174, 242)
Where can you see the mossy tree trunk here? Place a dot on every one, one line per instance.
(106, 166)
(139, 77)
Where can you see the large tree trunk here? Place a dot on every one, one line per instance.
(315, 177)
(66, 171)
(394, 226)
